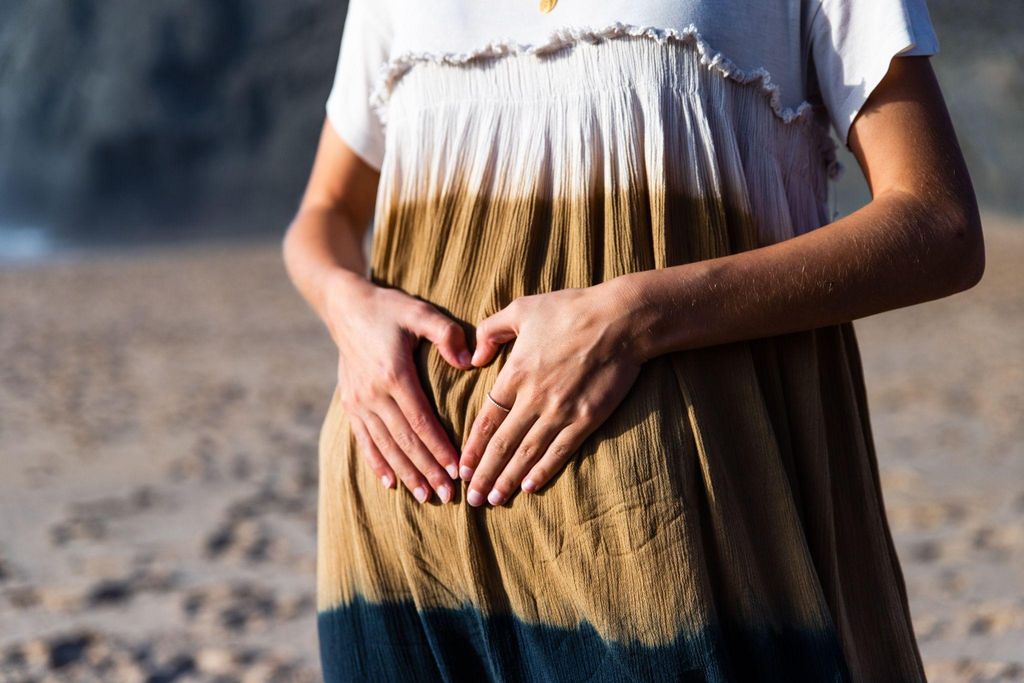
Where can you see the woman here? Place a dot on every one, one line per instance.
(600, 412)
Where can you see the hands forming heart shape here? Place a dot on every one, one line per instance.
(574, 359)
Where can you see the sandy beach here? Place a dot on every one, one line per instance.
(159, 413)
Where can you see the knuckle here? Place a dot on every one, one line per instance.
(560, 398)
(560, 406)
(349, 400)
(526, 453)
(586, 410)
(405, 441)
(449, 333)
(499, 445)
(419, 422)
(423, 309)
(515, 374)
(370, 393)
(417, 309)
(373, 432)
(487, 425)
(391, 376)
(560, 451)
(364, 395)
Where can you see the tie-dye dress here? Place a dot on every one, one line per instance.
(726, 523)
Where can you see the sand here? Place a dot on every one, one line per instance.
(159, 412)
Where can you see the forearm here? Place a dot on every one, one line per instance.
(322, 249)
(894, 252)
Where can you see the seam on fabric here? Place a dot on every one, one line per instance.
(523, 102)
(391, 72)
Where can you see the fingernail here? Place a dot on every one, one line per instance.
(444, 492)
(474, 497)
(495, 497)
(421, 494)
(465, 358)
(529, 485)
(466, 472)
(453, 471)
(386, 480)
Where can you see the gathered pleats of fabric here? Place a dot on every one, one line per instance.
(727, 519)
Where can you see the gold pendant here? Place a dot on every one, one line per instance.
(547, 5)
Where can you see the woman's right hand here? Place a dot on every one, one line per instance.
(376, 330)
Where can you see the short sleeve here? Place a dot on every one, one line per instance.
(853, 42)
(364, 48)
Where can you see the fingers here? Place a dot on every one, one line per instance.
(495, 330)
(558, 452)
(498, 451)
(402, 433)
(526, 456)
(420, 415)
(446, 334)
(401, 428)
(368, 449)
(483, 428)
(396, 428)
(403, 466)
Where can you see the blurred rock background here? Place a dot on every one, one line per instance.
(137, 121)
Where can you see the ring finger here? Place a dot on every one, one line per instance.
(499, 449)
(528, 454)
(485, 424)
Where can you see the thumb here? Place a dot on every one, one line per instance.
(446, 334)
(492, 332)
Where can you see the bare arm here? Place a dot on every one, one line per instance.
(375, 328)
(323, 243)
(918, 239)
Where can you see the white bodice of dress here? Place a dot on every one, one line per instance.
(627, 111)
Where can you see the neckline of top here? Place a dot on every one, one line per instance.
(391, 71)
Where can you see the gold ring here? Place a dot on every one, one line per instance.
(491, 398)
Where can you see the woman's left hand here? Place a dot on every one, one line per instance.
(573, 361)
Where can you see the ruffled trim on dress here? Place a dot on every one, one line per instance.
(391, 72)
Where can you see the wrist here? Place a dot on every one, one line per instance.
(634, 307)
(666, 308)
(340, 288)
(345, 283)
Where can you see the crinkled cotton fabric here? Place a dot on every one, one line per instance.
(726, 522)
